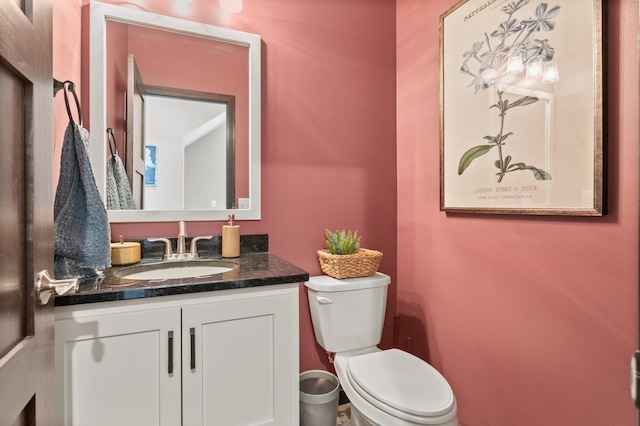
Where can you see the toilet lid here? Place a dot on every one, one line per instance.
(402, 382)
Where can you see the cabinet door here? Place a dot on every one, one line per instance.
(113, 368)
(239, 356)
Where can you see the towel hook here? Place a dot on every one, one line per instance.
(113, 147)
(57, 85)
(71, 87)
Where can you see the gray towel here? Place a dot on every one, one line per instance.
(81, 243)
(119, 195)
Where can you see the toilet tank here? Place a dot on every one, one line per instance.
(348, 314)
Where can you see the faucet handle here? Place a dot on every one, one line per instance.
(167, 246)
(194, 246)
(182, 229)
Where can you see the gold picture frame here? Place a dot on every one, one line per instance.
(521, 107)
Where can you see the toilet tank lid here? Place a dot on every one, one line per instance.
(328, 284)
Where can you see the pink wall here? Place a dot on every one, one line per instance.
(66, 66)
(328, 131)
(532, 320)
(116, 85)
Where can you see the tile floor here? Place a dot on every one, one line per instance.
(344, 411)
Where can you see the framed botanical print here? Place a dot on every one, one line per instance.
(521, 107)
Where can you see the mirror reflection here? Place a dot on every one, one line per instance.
(188, 141)
(183, 101)
(161, 72)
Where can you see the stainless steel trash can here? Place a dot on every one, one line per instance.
(319, 395)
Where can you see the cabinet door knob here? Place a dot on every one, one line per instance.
(47, 286)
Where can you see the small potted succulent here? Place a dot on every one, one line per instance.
(343, 257)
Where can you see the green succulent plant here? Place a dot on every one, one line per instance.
(341, 242)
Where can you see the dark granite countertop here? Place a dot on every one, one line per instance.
(256, 267)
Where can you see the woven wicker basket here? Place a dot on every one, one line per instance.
(364, 263)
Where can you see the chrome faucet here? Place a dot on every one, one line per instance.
(181, 249)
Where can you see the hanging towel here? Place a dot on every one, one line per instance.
(81, 243)
(119, 196)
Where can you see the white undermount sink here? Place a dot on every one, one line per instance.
(175, 270)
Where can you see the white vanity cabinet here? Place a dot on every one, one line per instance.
(219, 358)
(111, 365)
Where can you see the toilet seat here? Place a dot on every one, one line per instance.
(402, 385)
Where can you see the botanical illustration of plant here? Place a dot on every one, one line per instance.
(487, 62)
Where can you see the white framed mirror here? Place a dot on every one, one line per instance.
(109, 84)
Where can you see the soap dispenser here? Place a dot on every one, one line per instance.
(231, 239)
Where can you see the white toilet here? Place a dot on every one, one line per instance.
(386, 388)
